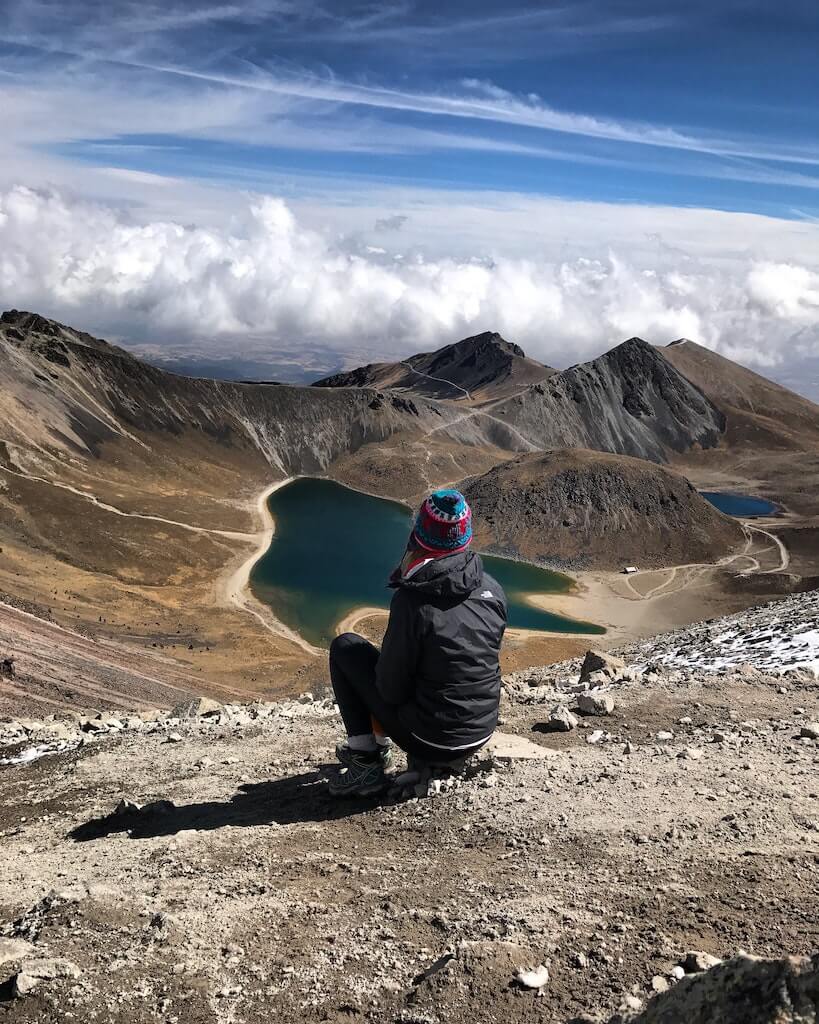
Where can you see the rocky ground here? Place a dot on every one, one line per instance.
(191, 867)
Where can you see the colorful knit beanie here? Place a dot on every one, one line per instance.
(443, 523)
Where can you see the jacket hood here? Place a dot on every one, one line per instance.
(455, 575)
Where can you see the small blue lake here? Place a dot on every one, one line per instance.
(334, 549)
(740, 505)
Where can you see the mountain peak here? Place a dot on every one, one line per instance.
(488, 340)
(30, 325)
(479, 367)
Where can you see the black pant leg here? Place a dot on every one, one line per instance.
(352, 672)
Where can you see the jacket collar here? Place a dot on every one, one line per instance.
(453, 575)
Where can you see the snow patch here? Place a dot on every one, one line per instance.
(31, 754)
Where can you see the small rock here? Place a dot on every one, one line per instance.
(691, 754)
(508, 747)
(663, 736)
(596, 737)
(810, 731)
(92, 725)
(14, 949)
(44, 969)
(599, 661)
(695, 961)
(159, 807)
(197, 706)
(126, 806)
(678, 973)
(561, 719)
(628, 748)
(659, 983)
(535, 979)
(595, 702)
(174, 737)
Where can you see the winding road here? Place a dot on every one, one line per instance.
(691, 572)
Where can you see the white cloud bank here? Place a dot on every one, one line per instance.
(267, 273)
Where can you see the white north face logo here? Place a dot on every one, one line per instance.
(487, 593)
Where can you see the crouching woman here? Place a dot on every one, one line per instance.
(434, 687)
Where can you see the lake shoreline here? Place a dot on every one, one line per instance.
(235, 588)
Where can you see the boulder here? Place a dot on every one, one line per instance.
(595, 702)
(599, 661)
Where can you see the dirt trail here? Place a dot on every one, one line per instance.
(692, 572)
(441, 380)
(231, 534)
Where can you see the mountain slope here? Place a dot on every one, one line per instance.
(129, 496)
(758, 411)
(580, 509)
(68, 391)
(479, 368)
(630, 401)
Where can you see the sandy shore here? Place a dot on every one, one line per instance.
(349, 623)
(672, 598)
(235, 587)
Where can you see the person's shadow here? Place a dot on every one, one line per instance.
(285, 801)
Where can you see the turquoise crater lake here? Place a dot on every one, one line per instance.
(334, 549)
(742, 506)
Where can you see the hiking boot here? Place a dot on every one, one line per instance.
(363, 776)
(345, 754)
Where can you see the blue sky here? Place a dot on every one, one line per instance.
(688, 103)
(457, 119)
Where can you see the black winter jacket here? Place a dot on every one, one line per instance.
(439, 658)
